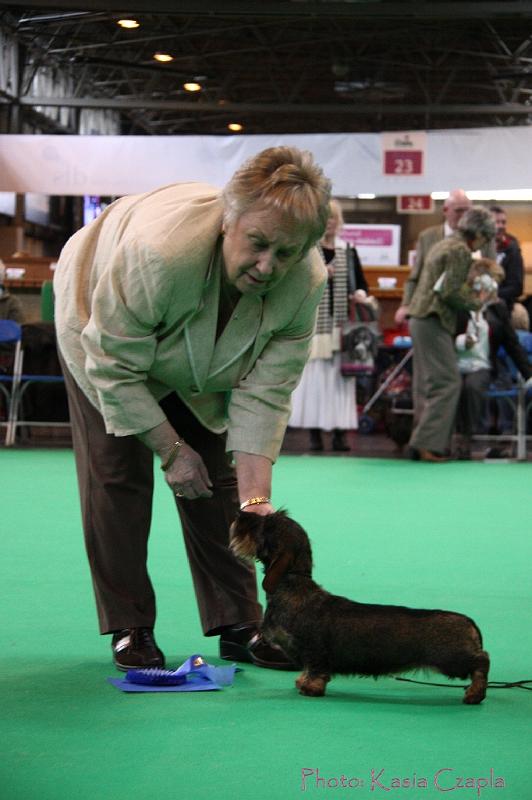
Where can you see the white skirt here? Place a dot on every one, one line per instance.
(324, 399)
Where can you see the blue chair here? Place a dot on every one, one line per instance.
(525, 338)
(518, 396)
(10, 342)
(19, 382)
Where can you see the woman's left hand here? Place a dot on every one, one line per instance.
(187, 476)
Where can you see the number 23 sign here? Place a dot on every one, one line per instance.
(403, 154)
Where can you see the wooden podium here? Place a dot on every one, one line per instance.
(389, 299)
(36, 271)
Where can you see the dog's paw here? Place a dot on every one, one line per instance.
(311, 686)
(474, 696)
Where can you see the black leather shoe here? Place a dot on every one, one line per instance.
(245, 643)
(339, 441)
(135, 648)
(316, 441)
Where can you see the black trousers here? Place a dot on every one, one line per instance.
(115, 477)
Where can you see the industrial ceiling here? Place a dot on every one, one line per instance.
(299, 66)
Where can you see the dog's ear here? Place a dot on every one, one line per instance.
(275, 572)
(247, 522)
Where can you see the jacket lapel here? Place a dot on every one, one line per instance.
(200, 330)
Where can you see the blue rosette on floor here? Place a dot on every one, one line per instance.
(194, 675)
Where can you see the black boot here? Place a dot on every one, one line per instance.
(316, 442)
(339, 442)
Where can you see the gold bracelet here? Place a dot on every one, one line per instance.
(172, 455)
(254, 501)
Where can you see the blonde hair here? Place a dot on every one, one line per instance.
(520, 318)
(335, 210)
(286, 179)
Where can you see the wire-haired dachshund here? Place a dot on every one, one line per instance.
(327, 634)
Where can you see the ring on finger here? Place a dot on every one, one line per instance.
(179, 493)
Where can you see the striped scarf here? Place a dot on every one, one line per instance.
(324, 322)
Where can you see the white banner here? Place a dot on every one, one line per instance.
(480, 158)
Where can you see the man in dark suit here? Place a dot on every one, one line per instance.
(509, 257)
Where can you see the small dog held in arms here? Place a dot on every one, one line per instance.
(327, 634)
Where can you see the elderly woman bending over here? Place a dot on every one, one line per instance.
(184, 318)
(443, 290)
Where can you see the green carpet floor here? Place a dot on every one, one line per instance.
(455, 536)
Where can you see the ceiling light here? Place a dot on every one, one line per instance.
(128, 23)
(235, 126)
(192, 86)
(366, 196)
(163, 57)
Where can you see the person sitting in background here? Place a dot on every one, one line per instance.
(509, 257)
(324, 400)
(10, 306)
(481, 333)
(442, 290)
(520, 318)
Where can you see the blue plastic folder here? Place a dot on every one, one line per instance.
(194, 675)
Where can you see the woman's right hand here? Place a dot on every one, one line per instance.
(187, 476)
(401, 314)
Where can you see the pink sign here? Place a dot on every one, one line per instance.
(368, 237)
(403, 162)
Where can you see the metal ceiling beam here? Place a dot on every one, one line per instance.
(325, 8)
(69, 16)
(280, 108)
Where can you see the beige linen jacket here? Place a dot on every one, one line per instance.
(137, 297)
(451, 257)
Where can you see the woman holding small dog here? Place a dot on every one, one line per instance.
(184, 318)
(443, 289)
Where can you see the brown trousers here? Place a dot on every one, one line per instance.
(115, 477)
(436, 386)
